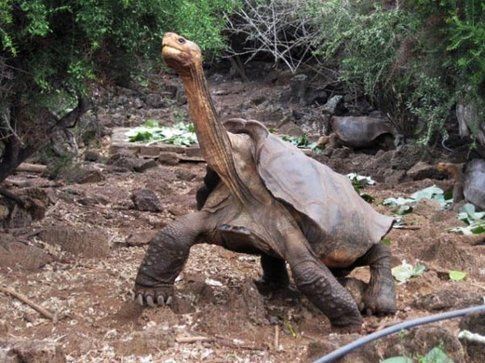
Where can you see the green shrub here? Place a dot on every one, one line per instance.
(53, 50)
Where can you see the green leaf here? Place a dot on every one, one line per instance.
(406, 271)
(386, 241)
(399, 359)
(437, 355)
(456, 275)
(367, 197)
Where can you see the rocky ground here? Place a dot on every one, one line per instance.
(76, 247)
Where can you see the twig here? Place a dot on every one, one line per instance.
(412, 228)
(42, 311)
(276, 337)
(216, 339)
(31, 168)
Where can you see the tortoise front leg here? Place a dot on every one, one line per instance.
(380, 295)
(165, 258)
(318, 284)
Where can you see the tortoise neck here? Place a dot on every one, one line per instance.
(211, 134)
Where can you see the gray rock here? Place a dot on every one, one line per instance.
(155, 100)
(144, 164)
(422, 170)
(332, 104)
(146, 200)
(85, 242)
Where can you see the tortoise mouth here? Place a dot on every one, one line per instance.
(170, 52)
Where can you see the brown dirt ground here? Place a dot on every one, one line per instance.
(216, 297)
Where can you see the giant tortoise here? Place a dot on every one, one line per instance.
(468, 185)
(357, 132)
(264, 196)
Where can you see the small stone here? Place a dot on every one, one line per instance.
(82, 175)
(168, 158)
(144, 164)
(146, 200)
(91, 155)
(422, 170)
(155, 100)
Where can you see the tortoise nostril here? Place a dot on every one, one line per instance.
(181, 40)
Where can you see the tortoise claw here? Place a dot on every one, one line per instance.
(139, 299)
(154, 296)
(150, 301)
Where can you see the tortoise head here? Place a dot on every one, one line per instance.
(180, 54)
(443, 167)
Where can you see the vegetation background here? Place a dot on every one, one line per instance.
(419, 61)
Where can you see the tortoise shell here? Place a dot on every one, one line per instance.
(360, 131)
(326, 200)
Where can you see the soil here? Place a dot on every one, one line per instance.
(218, 314)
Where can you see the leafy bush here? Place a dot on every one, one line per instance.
(415, 60)
(52, 50)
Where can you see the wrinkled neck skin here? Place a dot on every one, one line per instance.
(211, 134)
(455, 171)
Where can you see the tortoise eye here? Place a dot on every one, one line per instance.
(181, 40)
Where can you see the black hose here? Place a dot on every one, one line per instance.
(396, 328)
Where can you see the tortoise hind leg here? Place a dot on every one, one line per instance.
(275, 275)
(380, 295)
(166, 256)
(318, 284)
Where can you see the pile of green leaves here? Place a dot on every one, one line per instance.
(475, 221)
(150, 132)
(359, 182)
(299, 141)
(405, 205)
